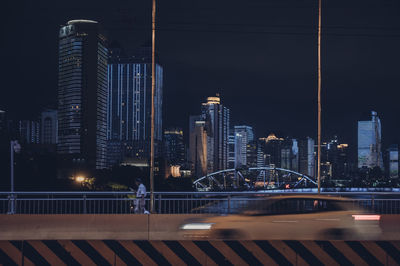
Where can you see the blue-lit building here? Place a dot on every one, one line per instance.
(307, 156)
(29, 132)
(244, 135)
(129, 103)
(369, 143)
(82, 96)
(392, 159)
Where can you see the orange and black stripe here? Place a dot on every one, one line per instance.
(227, 252)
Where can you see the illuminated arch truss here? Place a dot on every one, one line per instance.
(253, 178)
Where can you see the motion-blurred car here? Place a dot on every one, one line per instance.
(299, 217)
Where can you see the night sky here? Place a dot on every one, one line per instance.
(260, 55)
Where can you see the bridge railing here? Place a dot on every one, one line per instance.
(171, 202)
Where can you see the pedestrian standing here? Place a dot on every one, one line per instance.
(140, 195)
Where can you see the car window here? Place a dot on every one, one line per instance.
(293, 206)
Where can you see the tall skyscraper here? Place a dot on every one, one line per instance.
(243, 136)
(29, 132)
(289, 154)
(82, 95)
(306, 156)
(198, 146)
(231, 149)
(49, 127)
(3, 122)
(129, 103)
(393, 161)
(217, 117)
(174, 147)
(270, 148)
(334, 160)
(369, 143)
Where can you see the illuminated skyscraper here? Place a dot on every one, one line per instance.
(231, 149)
(290, 155)
(217, 118)
(243, 136)
(174, 147)
(369, 143)
(82, 95)
(198, 146)
(129, 103)
(306, 156)
(393, 161)
(270, 150)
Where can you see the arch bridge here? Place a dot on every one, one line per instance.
(253, 178)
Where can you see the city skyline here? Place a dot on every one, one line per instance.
(250, 79)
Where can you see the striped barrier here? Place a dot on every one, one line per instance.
(232, 252)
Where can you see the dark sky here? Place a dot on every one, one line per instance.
(260, 55)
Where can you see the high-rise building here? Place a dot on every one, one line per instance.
(129, 103)
(295, 154)
(251, 154)
(217, 118)
(393, 161)
(231, 149)
(369, 143)
(82, 95)
(3, 122)
(243, 136)
(287, 154)
(49, 127)
(271, 148)
(334, 160)
(306, 156)
(198, 146)
(29, 132)
(174, 146)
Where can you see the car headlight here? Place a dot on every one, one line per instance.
(197, 226)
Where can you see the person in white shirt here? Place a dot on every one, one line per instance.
(140, 195)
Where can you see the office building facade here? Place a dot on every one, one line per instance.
(129, 104)
(174, 146)
(243, 136)
(49, 127)
(29, 132)
(82, 95)
(198, 146)
(306, 156)
(393, 161)
(369, 143)
(217, 119)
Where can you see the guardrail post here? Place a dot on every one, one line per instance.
(159, 203)
(229, 204)
(84, 203)
(373, 201)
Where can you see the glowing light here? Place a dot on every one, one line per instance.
(197, 226)
(79, 179)
(366, 217)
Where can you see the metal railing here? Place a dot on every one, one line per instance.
(170, 202)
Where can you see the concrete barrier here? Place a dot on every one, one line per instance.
(155, 239)
(143, 252)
